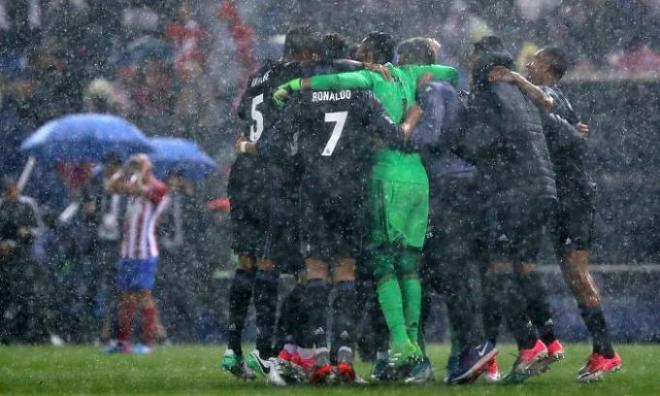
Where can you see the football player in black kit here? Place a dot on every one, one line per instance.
(336, 133)
(572, 227)
(263, 189)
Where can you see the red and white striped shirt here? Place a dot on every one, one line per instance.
(141, 218)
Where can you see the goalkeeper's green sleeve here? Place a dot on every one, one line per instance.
(360, 79)
(438, 72)
(281, 93)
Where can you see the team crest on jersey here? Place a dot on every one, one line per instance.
(331, 96)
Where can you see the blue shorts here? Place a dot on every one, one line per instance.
(136, 274)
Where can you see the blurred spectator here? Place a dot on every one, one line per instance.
(181, 265)
(186, 35)
(13, 129)
(19, 276)
(103, 212)
(52, 78)
(152, 97)
(20, 24)
(139, 18)
(100, 97)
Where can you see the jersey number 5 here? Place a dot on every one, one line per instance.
(339, 118)
(258, 126)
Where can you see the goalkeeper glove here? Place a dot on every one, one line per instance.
(284, 90)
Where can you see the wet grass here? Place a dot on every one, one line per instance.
(195, 370)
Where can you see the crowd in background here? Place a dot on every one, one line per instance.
(176, 68)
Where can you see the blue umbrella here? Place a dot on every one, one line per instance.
(173, 155)
(86, 137)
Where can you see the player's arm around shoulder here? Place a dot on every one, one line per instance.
(437, 72)
(361, 79)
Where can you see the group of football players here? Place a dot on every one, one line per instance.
(366, 174)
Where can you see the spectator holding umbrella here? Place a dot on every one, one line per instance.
(146, 200)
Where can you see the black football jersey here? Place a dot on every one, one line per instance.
(258, 115)
(568, 150)
(257, 110)
(335, 133)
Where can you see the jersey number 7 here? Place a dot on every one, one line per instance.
(339, 118)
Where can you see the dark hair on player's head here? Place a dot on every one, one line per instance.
(334, 46)
(8, 182)
(558, 61)
(382, 45)
(416, 51)
(489, 44)
(301, 39)
(488, 52)
(352, 52)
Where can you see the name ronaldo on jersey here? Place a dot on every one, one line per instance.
(325, 96)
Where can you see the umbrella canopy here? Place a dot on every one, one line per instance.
(86, 137)
(174, 155)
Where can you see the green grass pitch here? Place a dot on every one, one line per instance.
(182, 370)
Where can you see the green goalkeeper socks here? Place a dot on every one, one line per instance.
(389, 297)
(411, 291)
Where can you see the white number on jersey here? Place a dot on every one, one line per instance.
(258, 127)
(339, 118)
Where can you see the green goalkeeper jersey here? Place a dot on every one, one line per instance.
(396, 96)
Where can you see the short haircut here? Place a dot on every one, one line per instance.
(488, 53)
(334, 46)
(416, 51)
(557, 60)
(382, 45)
(301, 39)
(8, 182)
(489, 44)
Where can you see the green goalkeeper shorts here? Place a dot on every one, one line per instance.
(399, 200)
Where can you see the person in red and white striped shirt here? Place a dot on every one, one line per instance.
(142, 214)
(147, 199)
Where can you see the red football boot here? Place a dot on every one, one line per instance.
(530, 362)
(598, 365)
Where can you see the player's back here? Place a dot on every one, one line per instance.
(256, 109)
(336, 133)
(257, 116)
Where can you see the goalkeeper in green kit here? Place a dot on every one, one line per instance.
(399, 201)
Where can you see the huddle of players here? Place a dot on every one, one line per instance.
(333, 173)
